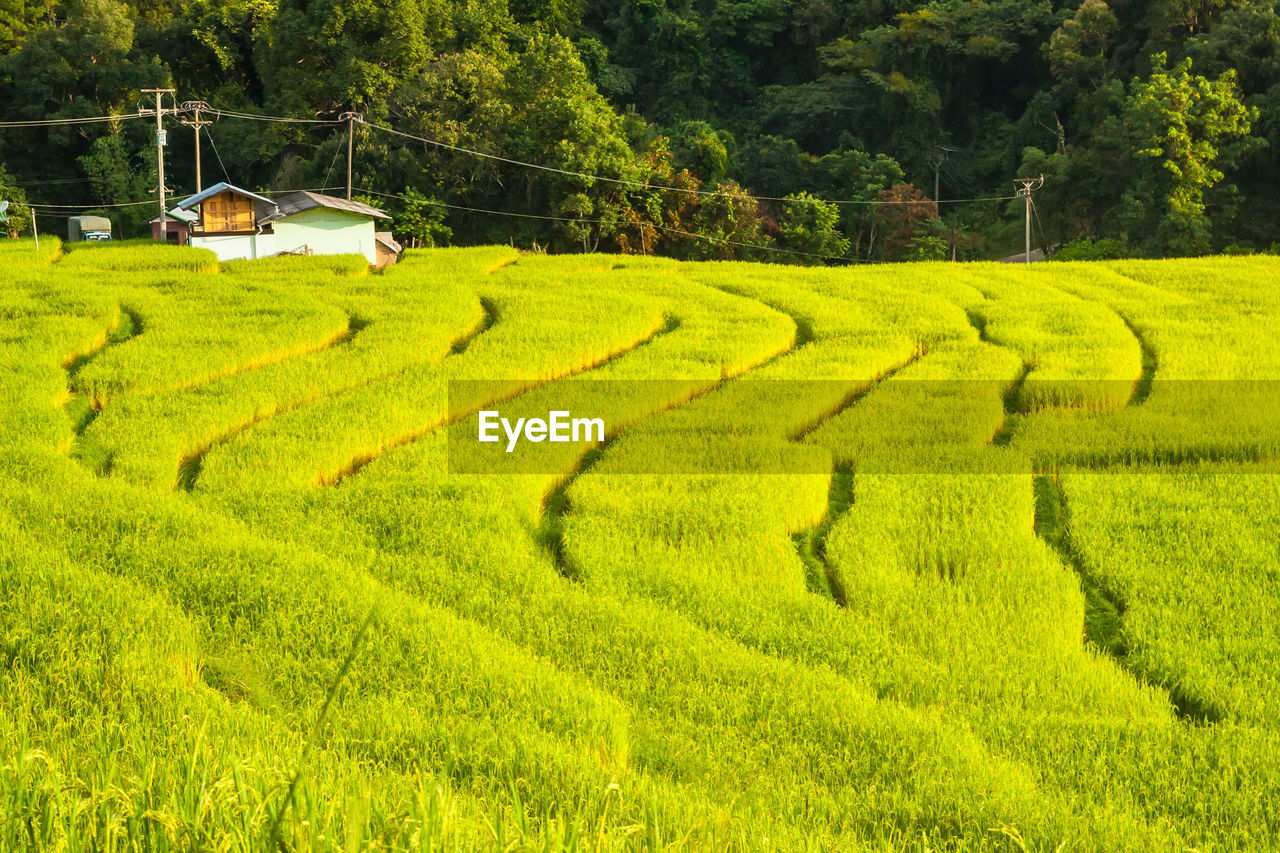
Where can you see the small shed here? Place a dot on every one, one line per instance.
(229, 222)
(177, 227)
(308, 223)
(388, 249)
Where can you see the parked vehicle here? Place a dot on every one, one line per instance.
(80, 228)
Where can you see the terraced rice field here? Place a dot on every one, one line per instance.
(936, 557)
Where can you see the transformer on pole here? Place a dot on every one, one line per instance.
(1027, 186)
(161, 141)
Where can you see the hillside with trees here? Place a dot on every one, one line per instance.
(721, 125)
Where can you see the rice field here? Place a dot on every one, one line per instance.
(915, 557)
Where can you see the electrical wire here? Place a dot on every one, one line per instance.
(483, 210)
(214, 145)
(494, 157)
(40, 206)
(1044, 238)
(70, 121)
(646, 186)
(667, 228)
(337, 149)
(26, 184)
(282, 119)
(955, 178)
(510, 161)
(728, 242)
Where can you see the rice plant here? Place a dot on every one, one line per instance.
(927, 557)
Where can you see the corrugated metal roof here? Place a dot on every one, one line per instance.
(180, 215)
(221, 186)
(385, 238)
(299, 202)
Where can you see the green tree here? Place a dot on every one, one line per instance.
(661, 207)
(17, 218)
(330, 55)
(702, 149)
(1078, 48)
(82, 64)
(418, 220)
(18, 18)
(113, 176)
(928, 247)
(559, 120)
(1177, 123)
(116, 180)
(728, 226)
(809, 225)
(904, 213)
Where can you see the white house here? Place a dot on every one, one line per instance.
(236, 224)
(307, 223)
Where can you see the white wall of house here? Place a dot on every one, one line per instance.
(325, 231)
(237, 247)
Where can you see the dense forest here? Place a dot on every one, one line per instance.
(723, 128)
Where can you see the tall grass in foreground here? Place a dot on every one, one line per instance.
(585, 657)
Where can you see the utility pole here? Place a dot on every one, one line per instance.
(351, 119)
(937, 161)
(1028, 186)
(35, 232)
(195, 124)
(161, 140)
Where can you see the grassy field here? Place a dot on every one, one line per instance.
(919, 557)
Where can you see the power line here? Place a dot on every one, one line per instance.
(667, 228)
(498, 158)
(218, 154)
(646, 186)
(70, 121)
(26, 184)
(337, 149)
(954, 176)
(729, 242)
(570, 173)
(1044, 238)
(43, 206)
(483, 210)
(282, 119)
(89, 206)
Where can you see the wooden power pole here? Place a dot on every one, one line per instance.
(937, 161)
(351, 118)
(195, 124)
(161, 141)
(1026, 188)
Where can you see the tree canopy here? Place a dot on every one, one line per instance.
(695, 128)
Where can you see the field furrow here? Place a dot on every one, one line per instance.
(1104, 609)
(82, 408)
(191, 465)
(357, 463)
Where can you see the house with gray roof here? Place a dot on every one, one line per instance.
(307, 223)
(237, 224)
